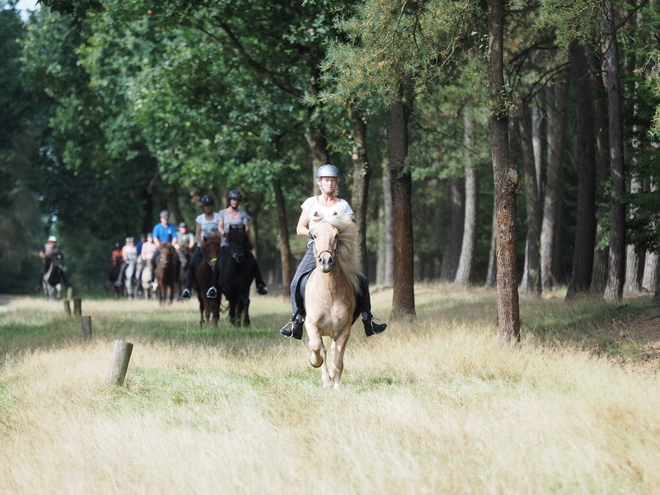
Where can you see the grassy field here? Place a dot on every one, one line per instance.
(430, 406)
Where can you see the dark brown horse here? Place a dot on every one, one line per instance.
(167, 272)
(210, 249)
(236, 271)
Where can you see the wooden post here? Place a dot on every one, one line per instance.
(67, 308)
(77, 307)
(123, 351)
(86, 327)
(69, 293)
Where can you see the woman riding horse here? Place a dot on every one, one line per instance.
(233, 217)
(325, 204)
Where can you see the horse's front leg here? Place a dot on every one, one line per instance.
(318, 358)
(245, 311)
(338, 348)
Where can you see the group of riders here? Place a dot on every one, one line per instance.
(146, 252)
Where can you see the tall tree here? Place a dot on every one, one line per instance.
(505, 179)
(615, 279)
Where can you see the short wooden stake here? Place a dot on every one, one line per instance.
(77, 307)
(86, 327)
(67, 308)
(123, 351)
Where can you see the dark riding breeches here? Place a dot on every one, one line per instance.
(195, 259)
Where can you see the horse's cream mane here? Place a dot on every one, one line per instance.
(347, 255)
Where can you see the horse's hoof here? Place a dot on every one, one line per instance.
(262, 290)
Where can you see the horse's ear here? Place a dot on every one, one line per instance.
(316, 215)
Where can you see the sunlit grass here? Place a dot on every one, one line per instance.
(431, 406)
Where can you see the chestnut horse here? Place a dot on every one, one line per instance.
(330, 291)
(167, 272)
(210, 249)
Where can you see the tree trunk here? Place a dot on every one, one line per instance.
(632, 283)
(285, 250)
(471, 207)
(601, 253)
(506, 181)
(650, 270)
(386, 247)
(361, 177)
(585, 231)
(615, 276)
(403, 303)
(531, 282)
(452, 251)
(558, 95)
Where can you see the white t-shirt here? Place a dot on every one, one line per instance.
(312, 205)
(208, 226)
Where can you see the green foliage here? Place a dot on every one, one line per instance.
(579, 20)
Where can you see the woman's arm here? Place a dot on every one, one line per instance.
(301, 228)
(198, 231)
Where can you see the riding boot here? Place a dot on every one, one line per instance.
(293, 328)
(370, 327)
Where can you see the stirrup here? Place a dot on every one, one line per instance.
(212, 293)
(185, 295)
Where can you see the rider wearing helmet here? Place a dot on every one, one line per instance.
(163, 232)
(45, 253)
(205, 224)
(233, 217)
(129, 254)
(327, 179)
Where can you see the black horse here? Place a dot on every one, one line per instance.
(53, 277)
(237, 268)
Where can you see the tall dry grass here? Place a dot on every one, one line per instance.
(430, 406)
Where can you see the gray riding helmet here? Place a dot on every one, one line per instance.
(327, 170)
(234, 194)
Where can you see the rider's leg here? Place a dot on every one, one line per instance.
(261, 285)
(122, 269)
(363, 300)
(212, 293)
(153, 261)
(294, 327)
(190, 272)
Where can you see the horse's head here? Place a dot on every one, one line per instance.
(238, 242)
(326, 245)
(56, 259)
(211, 248)
(167, 253)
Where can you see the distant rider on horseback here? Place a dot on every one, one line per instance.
(163, 232)
(233, 217)
(46, 254)
(205, 224)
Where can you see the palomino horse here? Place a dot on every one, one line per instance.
(330, 291)
(167, 272)
(53, 275)
(210, 249)
(236, 271)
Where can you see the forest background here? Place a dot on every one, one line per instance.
(112, 111)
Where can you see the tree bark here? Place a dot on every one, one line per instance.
(585, 231)
(632, 283)
(506, 181)
(285, 249)
(471, 208)
(361, 178)
(403, 303)
(615, 276)
(556, 137)
(531, 282)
